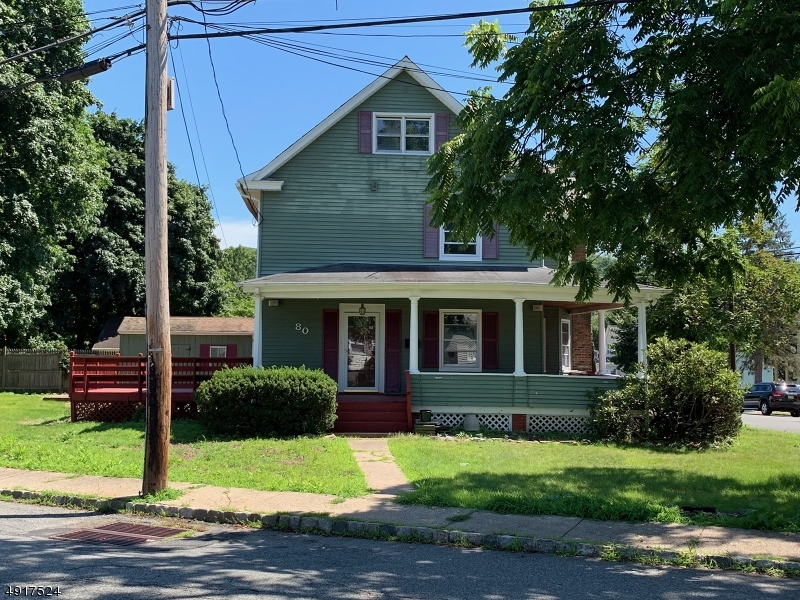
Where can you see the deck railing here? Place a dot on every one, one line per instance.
(96, 373)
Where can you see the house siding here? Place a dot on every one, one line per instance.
(338, 205)
(284, 342)
(187, 345)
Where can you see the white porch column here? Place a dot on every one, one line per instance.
(642, 332)
(601, 340)
(413, 337)
(519, 363)
(257, 358)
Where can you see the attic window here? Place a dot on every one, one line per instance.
(410, 134)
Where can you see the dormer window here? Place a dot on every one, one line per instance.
(403, 134)
(451, 248)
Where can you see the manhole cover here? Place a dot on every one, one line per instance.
(121, 534)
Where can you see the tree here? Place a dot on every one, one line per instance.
(635, 130)
(238, 264)
(51, 169)
(757, 311)
(106, 273)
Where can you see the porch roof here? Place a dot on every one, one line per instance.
(368, 280)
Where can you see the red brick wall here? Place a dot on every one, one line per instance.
(519, 423)
(582, 348)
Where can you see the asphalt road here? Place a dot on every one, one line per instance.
(776, 421)
(226, 562)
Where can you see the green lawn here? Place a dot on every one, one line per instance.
(35, 434)
(759, 476)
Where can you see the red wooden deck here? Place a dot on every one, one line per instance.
(109, 388)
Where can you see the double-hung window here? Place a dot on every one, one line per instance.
(460, 335)
(403, 134)
(451, 248)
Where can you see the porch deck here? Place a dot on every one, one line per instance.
(110, 388)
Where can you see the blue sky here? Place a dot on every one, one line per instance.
(272, 97)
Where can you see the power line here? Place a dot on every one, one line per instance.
(197, 132)
(224, 114)
(401, 21)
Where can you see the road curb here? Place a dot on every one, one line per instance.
(404, 533)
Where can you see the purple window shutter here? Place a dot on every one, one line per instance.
(490, 246)
(205, 350)
(365, 132)
(392, 355)
(231, 351)
(442, 129)
(490, 345)
(330, 343)
(430, 339)
(430, 235)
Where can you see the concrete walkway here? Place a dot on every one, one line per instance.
(381, 509)
(375, 459)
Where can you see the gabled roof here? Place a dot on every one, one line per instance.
(194, 325)
(250, 186)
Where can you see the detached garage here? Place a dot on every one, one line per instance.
(215, 337)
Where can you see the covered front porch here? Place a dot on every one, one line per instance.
(500, 343)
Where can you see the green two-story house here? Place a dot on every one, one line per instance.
(353, 279)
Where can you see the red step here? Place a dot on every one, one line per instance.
(370, 414)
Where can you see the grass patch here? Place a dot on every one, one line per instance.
(164, 495)
(37, 435)
(750, 483)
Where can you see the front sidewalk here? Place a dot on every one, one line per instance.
(380, 508)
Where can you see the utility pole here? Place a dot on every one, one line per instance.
(159, 353)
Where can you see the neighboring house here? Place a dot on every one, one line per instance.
(216, 337)
(748, 377)
(353, 279)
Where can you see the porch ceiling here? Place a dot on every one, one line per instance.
(584, 307)
(366, 280)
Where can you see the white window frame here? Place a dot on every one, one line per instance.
(223, 348)
(568, 322)
(477, 257)
(346, 310)
(431, 117)
(479, 350)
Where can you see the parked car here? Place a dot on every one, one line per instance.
(768, 397)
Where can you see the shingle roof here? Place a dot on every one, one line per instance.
(194, 325)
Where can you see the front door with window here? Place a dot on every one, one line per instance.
(361, 347)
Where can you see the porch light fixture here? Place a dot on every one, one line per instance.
(362, 310)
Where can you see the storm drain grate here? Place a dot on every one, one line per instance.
(121, 534)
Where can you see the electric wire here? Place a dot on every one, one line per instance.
(224, 114)
(197, 132)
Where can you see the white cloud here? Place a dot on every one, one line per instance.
(237, 233)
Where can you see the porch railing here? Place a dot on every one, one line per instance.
(505, 391)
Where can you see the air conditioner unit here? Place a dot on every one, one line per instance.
(538, 308)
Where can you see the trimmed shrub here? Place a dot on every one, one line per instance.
(687, 397)
(273, 402)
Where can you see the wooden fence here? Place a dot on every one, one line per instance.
(25, 370)
(31, 371)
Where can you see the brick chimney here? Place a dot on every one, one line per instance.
(582, 347)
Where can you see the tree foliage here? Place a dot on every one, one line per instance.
(756, 311)
(107, 272)
(635, 130)
(51, 168)
(238, 264)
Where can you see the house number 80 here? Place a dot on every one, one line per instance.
(300, 328)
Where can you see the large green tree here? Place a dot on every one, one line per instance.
(105, 276)
(636, 130)
(238, 264)
(756, 311)
(51, 169)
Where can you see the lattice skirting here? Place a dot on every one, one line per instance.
(493, 422)
(117, 412)
(561, 423)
